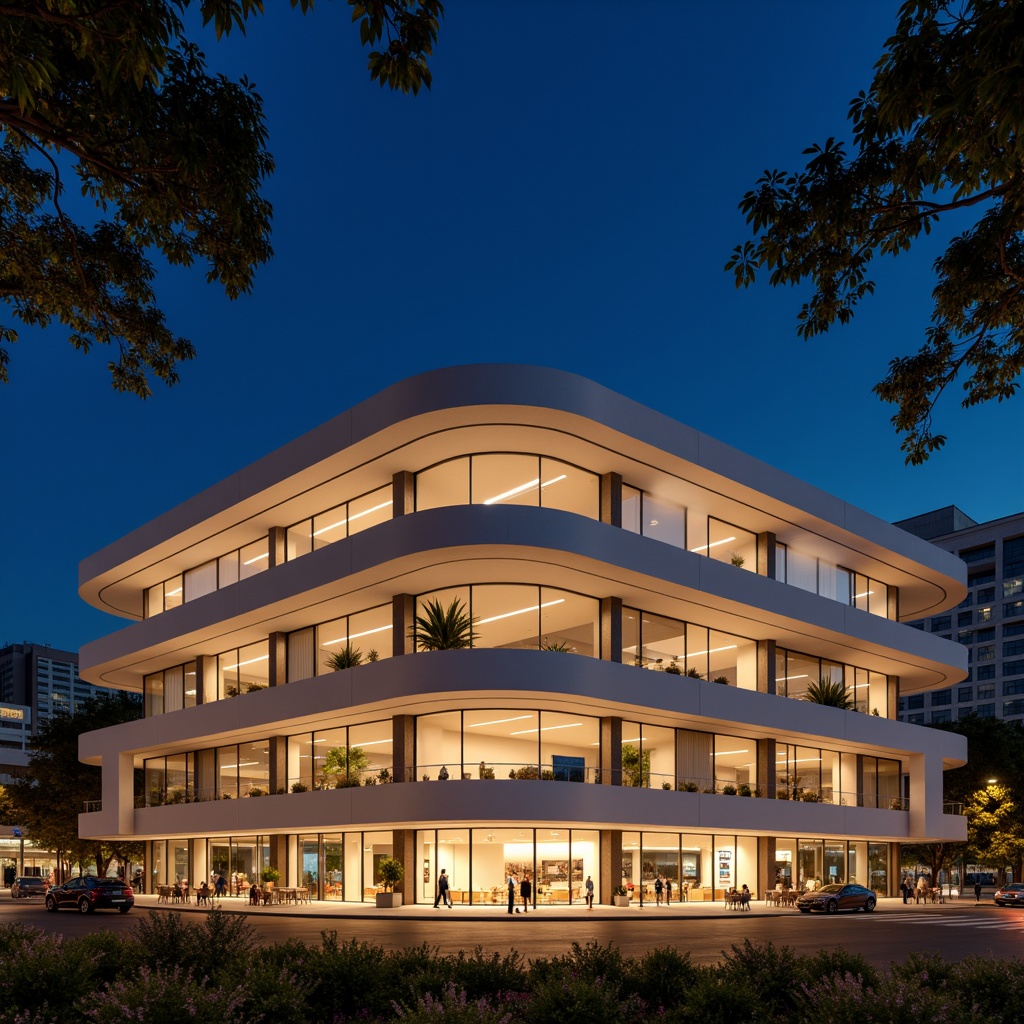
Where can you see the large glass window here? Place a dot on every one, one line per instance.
(206, 578)
(243, 670)
(341, 521)
(526, 616)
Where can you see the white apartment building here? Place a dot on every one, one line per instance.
(649, 608)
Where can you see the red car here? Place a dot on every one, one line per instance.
(87, 893)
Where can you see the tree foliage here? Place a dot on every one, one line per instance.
(443, 629)
(830, 692)
(116, 99)
(938, 131)
(48, 801)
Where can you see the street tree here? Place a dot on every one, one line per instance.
(48, 801)
(939, 132)
(995, 827)
(114, 100)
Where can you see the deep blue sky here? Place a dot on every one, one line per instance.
(566, 195)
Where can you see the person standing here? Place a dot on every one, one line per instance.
(668, 891)
(590, 893)
(442, 891)
(977, 891)
(525, 891)
(511, 893)
(659, 888)
(905, 888)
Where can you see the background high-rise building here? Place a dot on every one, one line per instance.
(989, 622)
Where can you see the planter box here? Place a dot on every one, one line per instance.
(620, 901)
(389, 900)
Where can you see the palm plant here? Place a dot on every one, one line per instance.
(443, 629)
(831, 693)
(347, 657)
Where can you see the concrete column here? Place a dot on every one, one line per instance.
(277, 546)
(611, 754)
(278, 667)
(611, 863)
(279, 857)
(403, 494)
(611, 629)
(403, 732)
(860, 783)
(926, 796)
(611, 499)
(765, 864)
(206, 678)
(893, 690)
(893, 604)
(278, 764)
(403, 848)
(766, 768)
(403, 613)
(766, 555)
(766, 666)
(117, 789)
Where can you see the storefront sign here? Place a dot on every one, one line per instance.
(18, 714)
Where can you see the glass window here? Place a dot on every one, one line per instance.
(1011, 610)
(941, 697)
(964, 619)
(941, 716)
(172, 592)
(377, 742)
(802, 570)
(253, 558)
(200, 581)
(569, 488)
(915, 702)
(439, 744)
(987, 691)
(664, 520)
(300, 539)
(729, 543)
(254, 768)
(1013, 556)
(735, 764)
(227, 773)
(370, 510)
(570, 746)
(507, 616)
(941, 622)
(987, 652)
(191, 684)
(985, 672)
(371, 632)
(985, 711)
(330, 526)
(300, 755)
(153, 694)
(795, 673)
(444, 484)
(154, 600)
(503, 741)
(332, 638)
(1013, 707)
(505, 480)
(781, 569)
(985, 553)
(300, 655)
(965, 694)
(570, 622)
(335, 764)
(1011, 649)
(631, 508)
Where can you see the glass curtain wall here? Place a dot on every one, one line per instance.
(509, 479)
(339, 522)
(669, 645)
(807, 864)
(359, 755)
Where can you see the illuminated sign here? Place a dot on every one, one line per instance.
(15, 713)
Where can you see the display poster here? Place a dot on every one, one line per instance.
(725, 878)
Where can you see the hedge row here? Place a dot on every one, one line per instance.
(167, 971)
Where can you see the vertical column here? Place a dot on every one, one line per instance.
(766, 666)
(403, 848)
(277, 546)
(925, 771)
(766, 768)
(766, 555)
(279, 859)
(403, 733)
(892, 610)
(278, 764)
(206, 679)
(278, 666)
(611, 863)
(892, 690)
(403, 494)
(863, 799)
(611, 754)
(611, 629)
(403, 612)
(611, 499)
(117, 788)
(765, 864)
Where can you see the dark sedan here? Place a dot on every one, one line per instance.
(28, 885)
(830, 899)
(1009, 895)
(87, 894)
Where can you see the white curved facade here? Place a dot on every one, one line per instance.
(564, 518)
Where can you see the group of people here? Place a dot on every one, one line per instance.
(524, 887)
(922, 890)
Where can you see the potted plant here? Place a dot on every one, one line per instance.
(674, 669)
(391, 873)
(485, 772)
(620, 898)
(728, 789)
(299, 787)
(443, 629)
(745, 790)
(270, 876)
(689, 787)
(347, 657)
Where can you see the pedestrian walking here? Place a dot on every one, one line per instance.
(659, 888)
(511, 893)
(443, 892)
(977, 892)
(590, 893)
(526, 891)
(668, 891)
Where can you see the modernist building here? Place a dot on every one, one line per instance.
(989, 621)
(649, 608)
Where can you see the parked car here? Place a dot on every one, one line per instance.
(1009, 895)
(88, 893)
(28, 885)
(832, 898)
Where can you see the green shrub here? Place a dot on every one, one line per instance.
(453, 1006)
(579, 1000)
(345, 979)
(661, 978)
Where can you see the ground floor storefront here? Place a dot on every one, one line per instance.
(19, 857)
(478, 860)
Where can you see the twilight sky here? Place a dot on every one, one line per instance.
(566, 196)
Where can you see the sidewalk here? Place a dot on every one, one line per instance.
(329, 910)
